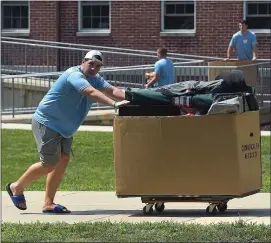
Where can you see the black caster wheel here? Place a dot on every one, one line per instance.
(211, 209)
(222, 207)
(159, 207)
(147, 210)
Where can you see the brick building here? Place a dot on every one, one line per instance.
(190, 27)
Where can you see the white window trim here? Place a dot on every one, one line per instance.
(182, 32)
(92, 32)
(16, 32)
(256, 31)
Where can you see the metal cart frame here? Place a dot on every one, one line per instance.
(216, 202)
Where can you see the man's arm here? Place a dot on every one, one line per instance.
(229, 52)
(78, 81)
(114, 93)
(153, 80)
(99, 97)
(156, 75)
(255, 52)
(254, 46)
(230, 48)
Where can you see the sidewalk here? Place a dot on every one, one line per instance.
(94, 117)
(105, 206)
(83, 128)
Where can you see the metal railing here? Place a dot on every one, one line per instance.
(22, 93)
(35, 56)
(21, 56)
(185, 57)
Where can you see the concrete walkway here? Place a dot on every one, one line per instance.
(105, 206)
(94, 117)
(82, 128)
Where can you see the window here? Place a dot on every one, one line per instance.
(178, 16)
(15, 15)
(94, 16)
(258, 15)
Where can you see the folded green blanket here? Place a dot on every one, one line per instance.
(151, 97)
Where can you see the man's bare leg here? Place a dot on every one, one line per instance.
(33, 173)
(53, 181)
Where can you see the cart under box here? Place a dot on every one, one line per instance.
(211, 155)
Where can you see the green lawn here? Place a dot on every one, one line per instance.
(141, 232)
(93, 158)
(266, 158)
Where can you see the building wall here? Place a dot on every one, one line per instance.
(136, 24)
(43, 20)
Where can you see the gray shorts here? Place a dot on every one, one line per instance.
(50, 144)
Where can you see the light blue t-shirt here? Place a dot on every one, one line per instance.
(64, 107)
(165, 68)
(244, 44)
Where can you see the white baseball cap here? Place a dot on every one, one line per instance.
(95, 56)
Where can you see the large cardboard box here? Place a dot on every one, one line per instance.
(248, 67)
(200, 155)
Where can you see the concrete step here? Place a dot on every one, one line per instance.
(94, 117)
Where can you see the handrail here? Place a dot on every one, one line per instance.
(32, 75)
(115, 70)
(73, 48)
(110, 48)
(116, 48)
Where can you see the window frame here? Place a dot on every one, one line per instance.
(92, 32)
(259, 31)
(15, 31)
(177, 32)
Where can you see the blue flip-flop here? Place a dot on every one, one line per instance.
(17, 199)
(58, 209)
